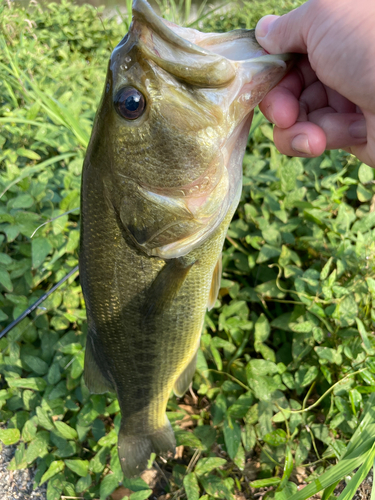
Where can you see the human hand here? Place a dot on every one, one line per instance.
(327, 101)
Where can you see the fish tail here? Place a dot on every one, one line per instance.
(135, 449)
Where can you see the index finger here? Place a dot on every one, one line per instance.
(281, 105)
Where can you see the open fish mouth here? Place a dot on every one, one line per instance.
(205, 59)
(228, 74)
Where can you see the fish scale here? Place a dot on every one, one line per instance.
(160, 183)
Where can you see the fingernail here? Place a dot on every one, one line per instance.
(300, 144)
(358, 129)
(263, 25)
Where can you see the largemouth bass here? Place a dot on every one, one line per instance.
(161, 181)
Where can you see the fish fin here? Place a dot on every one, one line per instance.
(94, 379)
(166, 286)
(215, 284)
(182, 383)
(135, 450)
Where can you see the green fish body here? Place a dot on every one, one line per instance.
(161, 181)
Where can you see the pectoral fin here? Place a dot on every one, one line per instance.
(215, 284)
(182, 383)
(94, 379)
(166, 286)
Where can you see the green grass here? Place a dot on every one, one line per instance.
(286, 371)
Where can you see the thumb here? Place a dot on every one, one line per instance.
(287, 33)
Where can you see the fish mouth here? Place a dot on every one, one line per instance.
(203, 59)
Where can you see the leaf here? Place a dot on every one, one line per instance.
(55, 487)
(267, 252)
(140, 495)
(10, 436)
(303, 327)
(83, 483)
(135, 484)
(325, 271)
(262, 367)
(191, 486)
(206, 465)
(264, 483)
(108, 440)
(305, 375)
(65, 430)
(270, 289)
(28, 154)
(328, 354)
(21, 201)
(365, 339)
(29, 430)
(363, 193)
(365, 173)
(241, 406)
(108, 485)
(262, 329)
(43, 419)
(240, 458)
(276, 437)
(36, 364)
(288, 468)
(55, 467)
(5, 279)
(218, 409)
(232, 437)
(97, 463)
(262, 385)
(288, 490)
(248, 437)
(35, 383)
(186, 438)
(38, 447)
(80, 467)
(206, 434)
(40, 248)
(218, 487)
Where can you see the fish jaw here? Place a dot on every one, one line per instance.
(202, 88)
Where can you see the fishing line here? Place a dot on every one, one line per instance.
(37, 303)
(55, 218)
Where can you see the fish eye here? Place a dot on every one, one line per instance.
(129, 103)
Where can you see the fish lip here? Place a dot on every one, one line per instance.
(143, 12)
(202, 65)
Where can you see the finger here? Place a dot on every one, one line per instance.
(366, 152)
(340, 103)
(300, 77)
(314, 97)
(341, 129)
(318, 96)
(283, 34)
(280, 107)
(303, 139)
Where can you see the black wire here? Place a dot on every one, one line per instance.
(36, 304)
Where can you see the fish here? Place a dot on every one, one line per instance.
(161, 181)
